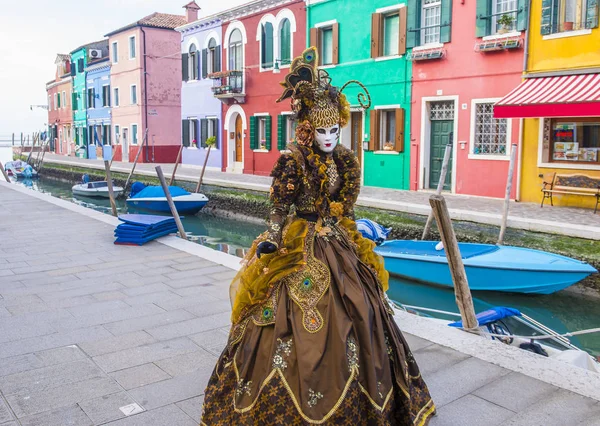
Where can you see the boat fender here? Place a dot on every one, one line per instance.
(439, 246)
(534, 347)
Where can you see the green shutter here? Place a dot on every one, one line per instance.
(591, 17)
(58, 97)
(523, 15)
(281, 132)
(446, 21)
(185, 132)
(285, 37)
(549, 16)
(215, 123)
(204, 63)
(268, 132)
(253, 133)
(483, 18)
(413, 23)
(203, 132)
(184, 67)
(217, 58)
(73, 101)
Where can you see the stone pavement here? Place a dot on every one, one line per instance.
(556, 220)
(91, 333)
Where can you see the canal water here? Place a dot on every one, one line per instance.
(563, 312)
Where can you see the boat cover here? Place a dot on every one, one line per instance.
(490, 316)
(155, 191)
(428, 248)
(372, 230)
(138, 229)
(146, 220)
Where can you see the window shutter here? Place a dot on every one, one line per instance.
(412, 23)
(281, 132)
(374, 141)
(314, 42)
(484, 10)
(215, 124)
(204, 63)
(217, 65)
(203, 132)
(197, 65)
(184, 67)
(253, 133)
(399, 141)
(269, 45)
(185, 132)
(402, 31)
(446, 21)
(549, 16)
(591, 17)
(335, 51)
(375, 35)
(73, 101)
(523, 14)
(73, 70)
(58, 103)
(285, 36)
(268, 132)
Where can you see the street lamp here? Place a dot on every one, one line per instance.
(276, 69)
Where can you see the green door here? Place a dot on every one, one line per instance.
(441, 135)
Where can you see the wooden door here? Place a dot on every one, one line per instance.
(239, 140)
(357, 134)
(441, 134)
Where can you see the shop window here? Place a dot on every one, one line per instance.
(575, 140)
(490, 134)
(326, 40)
(568, 15)
(387, 130)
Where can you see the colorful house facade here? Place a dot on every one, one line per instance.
(146, 88)
(367, 42)
(465, 57)
(98, 100)
(80, 58)
(60, 114)
(201, 118)
(559, 99)
(260, 39)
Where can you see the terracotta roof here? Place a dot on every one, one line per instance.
(156, 20)
(101, 45)
(62, 57)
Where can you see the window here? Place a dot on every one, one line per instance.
(91, 97)
(492, 13)
(285, 42)
(117, 133)
(80, 65)
(387, 130)
(115, 52)
(325, 39)
(106, 95)
(64, 99)
(193, 63)
(266, 46)
(208, 127)
(132, 47)
(49, 102)
(388, 33)
(502, 8)
(106, 134)
(430, 21)
(58, 104)
(575, 140)
(327, 46)
(235, 51)
(116, 97)
(290, 126)
(55, 101)
(260, 132)
(193, 138)
(133, 96)
(490, 135)
(213, 59)
(391, 29)
(85, 102)
(568, 15)
(74, 101)
(134, 134)
(286, 130)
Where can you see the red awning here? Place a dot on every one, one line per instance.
(561, 96)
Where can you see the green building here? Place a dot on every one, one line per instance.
(366, 41)
(80, 59)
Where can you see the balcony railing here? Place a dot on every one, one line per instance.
(227, 84)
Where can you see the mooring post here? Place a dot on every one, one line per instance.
(440, 187)
(111, 193)
(176, 165)
(203, 169)
(4, 172)
(509, 183)
(165, 188)
(137, 156)
(457, 268)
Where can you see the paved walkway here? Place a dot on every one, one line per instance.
(557, 220)
(93, 334)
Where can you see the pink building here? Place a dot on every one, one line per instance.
(469, 59)
(146, 88)
(60, 114)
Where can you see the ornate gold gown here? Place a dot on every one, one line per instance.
(313, 339)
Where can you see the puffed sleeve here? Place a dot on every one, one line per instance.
(283, 194)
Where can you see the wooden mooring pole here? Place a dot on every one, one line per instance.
(440, 187)
(4, 172)
(509, 183)
(203, 170)
(137, 156)
(457, 268)
(165, 188)
(176, 165)
(111, 193)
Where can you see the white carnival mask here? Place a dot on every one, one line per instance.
(327, 138)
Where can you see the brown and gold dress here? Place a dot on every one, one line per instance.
(313, 339)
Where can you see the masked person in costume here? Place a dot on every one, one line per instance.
(313, 339)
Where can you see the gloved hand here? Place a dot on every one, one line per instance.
(265, 247)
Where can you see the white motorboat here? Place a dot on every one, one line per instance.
(95, 190)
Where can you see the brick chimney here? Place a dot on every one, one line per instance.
(191, 11)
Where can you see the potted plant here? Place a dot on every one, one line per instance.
(263, 144)
(568, 26)
(505, 22)
(388, 146)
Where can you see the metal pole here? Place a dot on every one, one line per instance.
(203, 169)
(462, 292)
(137, 156)
(165, 188)
(111, 194)
(509, 182)
(4, 172)
(440, 187)
(30, 149)
(176, 165)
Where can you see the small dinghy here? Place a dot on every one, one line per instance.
(153, 198)
(95, 189)
(20, 170)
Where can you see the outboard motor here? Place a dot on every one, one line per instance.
(534, 347)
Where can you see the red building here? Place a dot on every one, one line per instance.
(60, 114)
(259, 42)
(466, 56)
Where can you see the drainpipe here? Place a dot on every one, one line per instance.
(521, 121)
(145, 94)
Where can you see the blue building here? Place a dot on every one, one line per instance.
(200, 110)
(98, 102)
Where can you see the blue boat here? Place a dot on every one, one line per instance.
(153, 198)
(488, 267)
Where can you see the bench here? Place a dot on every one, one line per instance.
(572, 184)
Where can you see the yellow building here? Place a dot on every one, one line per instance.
(559, 98)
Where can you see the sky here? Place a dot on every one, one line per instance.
(32, 32)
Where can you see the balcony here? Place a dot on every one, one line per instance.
(499, 42)
(228, 86)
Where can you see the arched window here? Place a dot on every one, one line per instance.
(235, 51)
(193, 62)
(266, 45)
(213, 58)
(285, 42)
